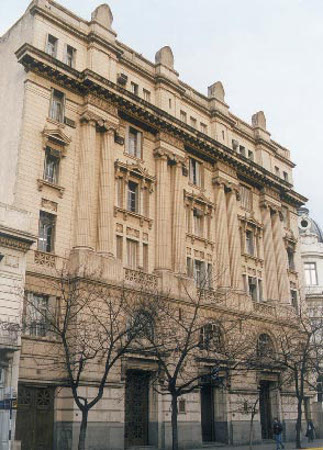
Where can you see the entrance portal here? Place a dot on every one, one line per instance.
(136, 408)
(35, 417)
(265, 410)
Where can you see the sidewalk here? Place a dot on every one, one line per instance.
(316, 445)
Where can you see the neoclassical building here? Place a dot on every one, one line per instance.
(120, 163)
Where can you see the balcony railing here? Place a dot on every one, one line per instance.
(140, 280)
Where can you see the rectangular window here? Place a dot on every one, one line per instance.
(252, 288)
(145, 257)
(146, 95)
(120, 247)
(132, 197)
(134, 142)
(56, 111)
(183, 116)
(181, 406)
(285, 175)
(250, 244)
(70, 56)
(203, 128)
(277, 171)
(260, 291)
(40, 311)
(51, 46)
(198, 222)
(246, 198)
(46, 232)
(209, 276)
(310, 274)
(195, 172)
(251, 155)
(242, 150)
(189, 265)
(119, 192)
(51, 165)
(199, 273)
(193, 122)
(293, 295)
(134, 88)
(132, 254)
(290, 255)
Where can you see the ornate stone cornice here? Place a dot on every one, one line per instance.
(16, 242)
(89, 82)
(198, 198)
(55, 137)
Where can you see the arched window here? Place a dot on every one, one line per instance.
(211, 337)
(265, 346)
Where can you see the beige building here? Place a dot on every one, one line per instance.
(120, 163)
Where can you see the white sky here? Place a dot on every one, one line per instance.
(268, 55)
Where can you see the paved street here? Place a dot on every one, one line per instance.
(316, 445)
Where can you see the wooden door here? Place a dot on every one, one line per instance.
(35, 417)
(207, 413)
(136, 408)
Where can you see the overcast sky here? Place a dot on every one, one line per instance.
(268, 55)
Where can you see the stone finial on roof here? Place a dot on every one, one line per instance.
(216, 91)
(103, 15)
(165, 57)
(259, 120)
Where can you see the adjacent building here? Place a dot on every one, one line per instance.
(119, 162)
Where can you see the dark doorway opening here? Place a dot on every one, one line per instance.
(35, 417)
(265, 410)
(207, 412)
(137, 408)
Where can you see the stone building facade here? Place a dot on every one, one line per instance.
(120, 163)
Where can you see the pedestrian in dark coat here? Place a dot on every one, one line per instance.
(310, 430)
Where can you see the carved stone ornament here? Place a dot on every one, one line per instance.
(55, 137)
(48, 204)
(172, 140)
(102, 104)
(135, 169)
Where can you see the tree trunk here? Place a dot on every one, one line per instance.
(299, 422)
(251, 431)
(174, 423)
(83, 429)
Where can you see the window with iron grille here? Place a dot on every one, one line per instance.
(40, 313)
(46, 235)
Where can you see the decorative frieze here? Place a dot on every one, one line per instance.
(49, 205)
(45, 259)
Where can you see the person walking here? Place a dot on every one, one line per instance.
(278, 430)
(310, 430)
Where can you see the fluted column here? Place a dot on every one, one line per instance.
(234, 240)
(85, 226)
(106, 193)
(281, 259)
(269, 255)
(222, 239)
(163, 218)
(179, 220)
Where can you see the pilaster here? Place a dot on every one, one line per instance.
(179, 225)
(234, 239)
(269, 254)
(222, 239)
(163, 220)
(106, 192)
(85, 225)
(281, 258)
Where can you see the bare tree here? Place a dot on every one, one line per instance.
(187, 340)
(92, 328)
